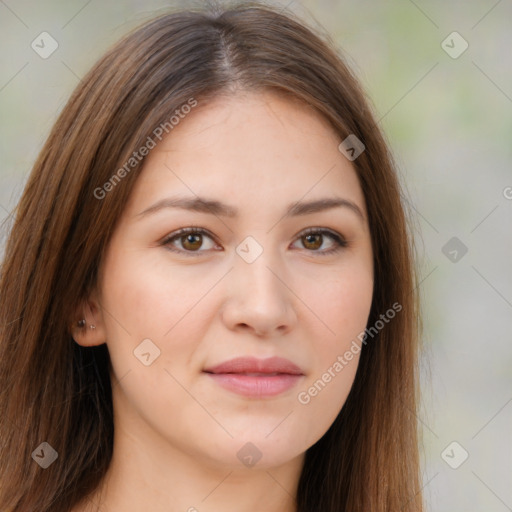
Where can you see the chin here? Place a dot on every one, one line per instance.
(257, 452)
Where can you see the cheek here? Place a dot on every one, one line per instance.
(343, 304)
(146, 298)
(320, 401)
(147, 294)
(135, 298)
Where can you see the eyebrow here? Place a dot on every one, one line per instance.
(214, 207)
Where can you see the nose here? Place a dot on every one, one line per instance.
(259, 298)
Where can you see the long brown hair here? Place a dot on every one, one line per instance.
(55, 391)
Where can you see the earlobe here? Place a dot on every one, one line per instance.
(88, 329)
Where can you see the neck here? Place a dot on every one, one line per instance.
(158, 477)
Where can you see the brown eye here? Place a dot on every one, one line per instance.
(189, 241)
(312, 241)
(314, 238)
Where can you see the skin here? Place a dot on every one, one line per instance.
(177, 433)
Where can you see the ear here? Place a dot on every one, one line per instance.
(88, 327)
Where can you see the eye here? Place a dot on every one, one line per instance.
(190, 239)
(313, 239)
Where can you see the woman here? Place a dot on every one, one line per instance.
(208, 299)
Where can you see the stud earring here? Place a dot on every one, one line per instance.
(81, 323)
(92, 326)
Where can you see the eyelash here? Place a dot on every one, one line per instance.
(340, 242)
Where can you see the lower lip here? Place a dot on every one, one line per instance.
(256, 386)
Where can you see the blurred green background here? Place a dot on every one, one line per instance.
(447, 114)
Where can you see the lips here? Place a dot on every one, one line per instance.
(253, 366)
(256, 378)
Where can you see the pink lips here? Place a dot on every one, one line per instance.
(249, 376)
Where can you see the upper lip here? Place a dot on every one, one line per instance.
(271, 365)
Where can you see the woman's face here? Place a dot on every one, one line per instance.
(246, 282)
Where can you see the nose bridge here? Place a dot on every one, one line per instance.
(256, 267)
(258, 297)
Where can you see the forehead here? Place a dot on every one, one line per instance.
(249, 149)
